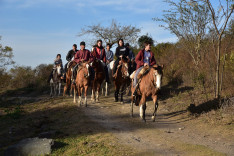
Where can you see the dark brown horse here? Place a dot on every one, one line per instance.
(99, 77)
(149, 85)
(69, 84)
(122, 80)
(82, 82)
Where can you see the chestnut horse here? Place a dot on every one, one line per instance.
(149, 85)
(99, 77)
(122, 80)
(82, 82)
(69, 84)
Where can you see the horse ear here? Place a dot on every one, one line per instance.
(162, 66)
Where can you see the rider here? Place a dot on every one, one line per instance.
(109, 54)
(70, 56)
(57, 61)
(145, 57)
(121, 52)
(99, 53)
(132, 64)
(81, 56)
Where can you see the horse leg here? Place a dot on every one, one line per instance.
(80, 96)
(116, 95)
(55, 88)
(51, 90)
(97, 92)
(85, 94)
(121, 96)
(106, 93)
(142, 108)
(92, 96)
(155, 100)
(74, 101)
(59, 89)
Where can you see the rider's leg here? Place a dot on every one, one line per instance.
(115, 66)
(135, 80)
(74, 73)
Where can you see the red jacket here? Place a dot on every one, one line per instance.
(140, 59)
(83, 54)
(99, 54)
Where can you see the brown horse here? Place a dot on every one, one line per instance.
(122, 80)
(69, 84)
(82, 82)
(149, 85)
(99, 77)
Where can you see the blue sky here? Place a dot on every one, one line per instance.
(39, 29)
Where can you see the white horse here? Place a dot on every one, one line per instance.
(55, 82)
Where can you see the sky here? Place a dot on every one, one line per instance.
(38, 30)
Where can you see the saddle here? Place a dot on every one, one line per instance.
(142, 73)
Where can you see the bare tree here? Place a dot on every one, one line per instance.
(220, 19)
(188, 20)
(111, 34)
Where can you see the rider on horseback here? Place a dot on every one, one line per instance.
(109, 54)
(57, 61)
(81, 56)
(145, 57)
(132, 64)
(121, 52)
(100, 54)
(69, 58)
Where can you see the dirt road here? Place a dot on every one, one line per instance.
(172, 134)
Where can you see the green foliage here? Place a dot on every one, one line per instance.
(145, 38)
(6, 55)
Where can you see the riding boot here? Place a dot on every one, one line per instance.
(135, 90)
(116, 96)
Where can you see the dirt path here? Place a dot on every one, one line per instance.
(171, 134)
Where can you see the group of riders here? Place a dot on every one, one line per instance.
(145, 57)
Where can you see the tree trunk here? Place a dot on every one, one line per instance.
(217, 95)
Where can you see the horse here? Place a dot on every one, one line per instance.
(149, 84)
(122, 80)
(99, 77)
(82, 82)
(110, 67)
(69, 84)
(55, 82)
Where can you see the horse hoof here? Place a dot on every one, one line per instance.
(153, 118)
(143, 120)
(122, 102)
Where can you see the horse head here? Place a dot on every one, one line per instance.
(158, 74)
(124, 68)
(85, 66)
(58, 69)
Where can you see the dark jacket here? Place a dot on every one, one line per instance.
(101, 56)
(140, 59)
(83, 54)
(121, 51)
(70, 54)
